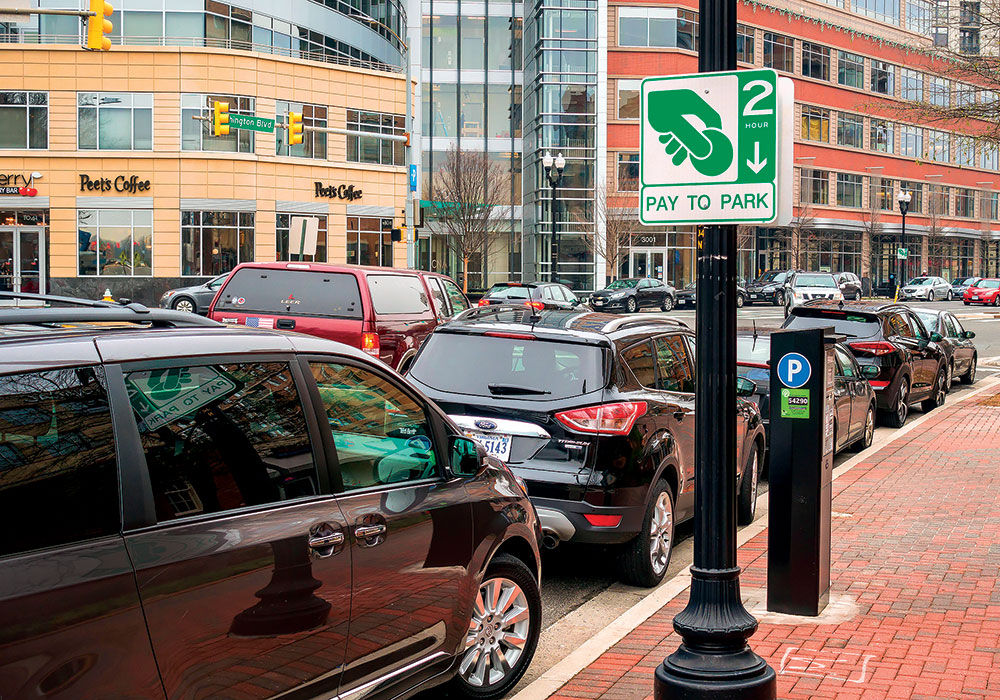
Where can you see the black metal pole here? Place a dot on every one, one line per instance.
(902, 244)
(555, 218)
(714, 659)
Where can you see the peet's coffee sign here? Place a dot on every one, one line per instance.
(348, 192)
(122, 183)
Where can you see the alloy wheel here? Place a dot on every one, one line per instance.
(870, 427)
(660, 529)
(184, 305)
(739, 301)
(498, 633)
(949, 376)
(754, 475)
(939, 391)
(630, 305)
(903, 405)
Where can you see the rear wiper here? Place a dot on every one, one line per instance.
(502, 389)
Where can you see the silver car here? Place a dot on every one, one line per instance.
(806, 286)
(926, 289)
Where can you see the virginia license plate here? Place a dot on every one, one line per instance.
(496, 445)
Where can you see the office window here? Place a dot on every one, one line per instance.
(848, 190)
(851, 130)
(938, 199)
(882, 136)
(881, 194)
(361, 149)
(883, 78)
(916, 190)
(815, 124)
(628, 99)
(911, 85)
(282, 226)
(24, 120)
(313, 144)
(814, 187)
(628, 172)
(118, 121)
(919, 14)
(968, 41)
(815, 61)
(851, 69)
(197, 135)
(965, 95)
(965, 203)
(666, 27)
(911, 141)
(939, 91)
(115, 242)
(882, 10)
(369, 241)
(779, 52)
(744, 43)
(965, 151)
(988, 158)
(214, 242)
(990, 205)
(938, 145)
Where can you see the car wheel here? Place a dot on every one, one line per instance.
(184, 304)
(949, 377)
(937, 397)
(667, 304)
(996, 300)
(740, 301)
(970, 376)
(868, 434)
(630, 305)
(896, 417)
(967, 303)
(747, 503)
(645, 559)
(502, 635)
(779, 298)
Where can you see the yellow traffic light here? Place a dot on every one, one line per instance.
(294, 128)
(220, 119)
(98, 27)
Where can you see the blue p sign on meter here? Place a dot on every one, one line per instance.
(794, 370)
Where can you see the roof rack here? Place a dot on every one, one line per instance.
(95, 312)
(643, 320)
(493, 309)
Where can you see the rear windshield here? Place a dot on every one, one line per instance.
(814, 281)
(292, 292)
(772, 276)
(851, 324)
(398, 294)
(750, 350)
(509, 293)
(534, 370)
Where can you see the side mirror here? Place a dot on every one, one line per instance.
(745, 387)
(870, 371)
(969, 335)
(936, 337)
(465, 456)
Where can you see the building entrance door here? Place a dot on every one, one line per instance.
(646, 262)
(22, 261)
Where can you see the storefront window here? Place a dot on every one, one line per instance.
(949, 257)
(119, 121)
(196, 135)
(832, 251)
(281, 238)
(115, 242)
(369, 241)
(214, 242)
(24, 120)
(313, 143)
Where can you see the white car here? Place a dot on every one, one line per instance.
(806, 286)
(926, 289)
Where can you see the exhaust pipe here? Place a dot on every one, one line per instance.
(550, 539)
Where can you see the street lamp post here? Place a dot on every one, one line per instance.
(904, 206)
(553, 173)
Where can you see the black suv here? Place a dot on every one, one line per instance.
(912, 366)
(769, 287)
(595, 412)
(189, 510)
(538, 295)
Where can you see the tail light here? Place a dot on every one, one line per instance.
(602, 520)
(370, 344)
(504, 334)
(755, 365)
(536, 305)
(878, 384)
(874, 348)
(610, 418)
(484, 302)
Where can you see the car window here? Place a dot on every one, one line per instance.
(217, 282)
(641, 361)
(297, 292)
(899, 325)
(221, 437)
(458, 301)
(918, 326)
(845, 363)
(547, 293)
(644, 283)
(956, 325)
(673, 371)
(655, 283)
(440, 301)
(398, 294)
(382, 436)
(568, 293)
(58, 475)
(930, 320)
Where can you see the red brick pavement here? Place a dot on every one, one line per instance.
(916, 546)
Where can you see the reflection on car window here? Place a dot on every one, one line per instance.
(845, 363)
(930, 321)
(437, 294)
(898, 325)
(458, 301)
(219, 437)
(382, 436)
(640, 360)
(398, 294)
(673, 370)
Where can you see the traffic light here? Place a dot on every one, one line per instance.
(97, 27)
(220, 119)
(396, 235)
(294, 128)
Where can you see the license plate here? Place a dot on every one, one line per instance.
(598, 302)
(753, 296)
(496, 445)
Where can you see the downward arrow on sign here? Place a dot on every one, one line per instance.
(756, 164)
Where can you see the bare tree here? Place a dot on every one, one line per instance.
(800, 229)
(472, 196)
(744, 241)
(937, 207)
(618, 212)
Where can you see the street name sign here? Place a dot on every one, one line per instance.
(709, 148)
(240, 121)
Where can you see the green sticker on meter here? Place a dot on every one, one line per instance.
(794, 403)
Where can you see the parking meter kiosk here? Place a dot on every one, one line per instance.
(803, 367)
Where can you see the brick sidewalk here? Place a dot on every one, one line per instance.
(915, 594)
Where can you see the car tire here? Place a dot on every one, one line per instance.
(185, 304)
(779, 298)
(996, 300)
(896, 417)
(967, 303)
(970, 376)
(937, 396)
(746, 504)
(630, 305)
(667, 304)
(655, 541)
(740, 300)
(949, 377)
(868, 434)
(475, 677)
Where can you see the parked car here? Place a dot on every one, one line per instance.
(633, 294)
(538, 295)
(850, 285)
(688, 296)
(801, 287)
(889, 336)
(853, 396)
(195, 299)
(956, 342)
(769, 287)
(960, 284)
(985, 291)
(926, 288)
(385, 312)
(188, 509)
(596, 413)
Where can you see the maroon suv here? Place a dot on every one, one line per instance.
(385, 312)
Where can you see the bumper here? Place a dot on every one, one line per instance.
(885, 397)
(569, 517)
(607, 305)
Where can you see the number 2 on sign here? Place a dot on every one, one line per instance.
(751, 107)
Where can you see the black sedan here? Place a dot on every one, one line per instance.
(955, 341)
(195, 299)
(688, 296)
(633, 294)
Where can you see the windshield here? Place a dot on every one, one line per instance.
(917, 281)
(988, 284)
(750, 350)
(772, 276)
(963, 280)
(506, 292)
(851, 324)
(623, 284)
(483, 366)
(815, 281)
(930, 320)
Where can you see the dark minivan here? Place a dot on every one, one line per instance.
(194, 511)
(385, 312)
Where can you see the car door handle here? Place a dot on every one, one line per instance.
(330, 540)
(679, 415)
(366, 532)
(285, 323)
